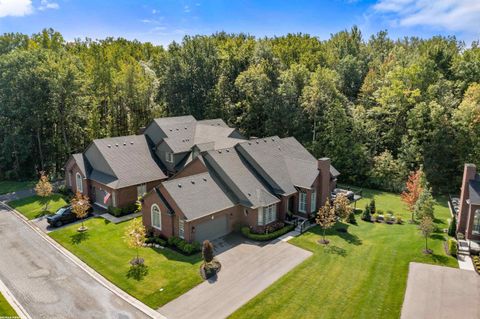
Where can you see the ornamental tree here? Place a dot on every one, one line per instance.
(424, 205)
(427, 227)
(413, 189)
(207, 251)
(342, 206)
(80, 205)
(44, 189)
(326, 218)
(135, 238)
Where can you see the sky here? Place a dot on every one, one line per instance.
(164, 21)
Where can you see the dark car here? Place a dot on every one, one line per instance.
(63, 216)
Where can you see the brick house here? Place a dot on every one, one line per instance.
(203, 179)
(469, 210)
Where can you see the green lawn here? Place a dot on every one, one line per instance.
(33, 206)
(13, 186)
(361, 274)
(5, 309)
(169, 274)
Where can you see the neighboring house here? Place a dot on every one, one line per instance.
(469, 210)
(114, 171)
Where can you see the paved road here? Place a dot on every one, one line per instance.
(247, 269)
(48, 284)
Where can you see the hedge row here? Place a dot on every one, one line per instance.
(264, 237)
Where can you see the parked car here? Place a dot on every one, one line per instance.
(64, 216)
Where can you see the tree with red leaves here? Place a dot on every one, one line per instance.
(413, 189)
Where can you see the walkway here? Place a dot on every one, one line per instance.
(247, 269)
(47, 283)
(120, 219)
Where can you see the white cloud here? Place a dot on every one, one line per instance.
(451, 15)
(45, 5)
(186, 9)
(15, 8)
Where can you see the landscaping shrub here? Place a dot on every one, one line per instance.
(399, 220)
(183, 246)
(452, 228)
(351, 219)
(452, 247)
(156, 240)
(267, 229)
(476, 263)
(380, 212)
(115, 211)
(366, 214)
(264, 237)
(373, 208)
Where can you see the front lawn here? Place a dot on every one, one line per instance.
(13, 186)
(5, 309)
(168, 274)
(361, 274)
(33, 207)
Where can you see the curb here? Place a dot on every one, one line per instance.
(21, 312)
(90, 271)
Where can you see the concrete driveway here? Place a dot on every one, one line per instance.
(47, 283)
(247, 269)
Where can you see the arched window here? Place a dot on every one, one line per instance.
(476, 222)
(78, 178)
(156, 217)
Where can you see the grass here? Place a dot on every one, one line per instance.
(5, 309)
(13, 186)
(166, 276)
(33, 207)
(360, 274)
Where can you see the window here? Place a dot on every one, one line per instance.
(70, 179)
(79, 183)
(141, 190)
(267, 214)
(169, 157)
(181, 228)
(476, 223)
(302, 202)
(313, 201)
(156, 217)
(114, 198)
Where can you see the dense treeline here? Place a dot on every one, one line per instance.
(378, 107)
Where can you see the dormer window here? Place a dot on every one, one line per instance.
(169, 157)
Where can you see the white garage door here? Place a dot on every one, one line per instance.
(211, 229)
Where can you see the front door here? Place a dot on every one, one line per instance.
(291, 204)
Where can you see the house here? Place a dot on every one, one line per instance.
(469, 211)
(202, 179)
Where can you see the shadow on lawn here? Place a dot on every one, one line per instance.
(335, 250)
(137, 272)
(171, 254)
(340, 230)
(79, 237)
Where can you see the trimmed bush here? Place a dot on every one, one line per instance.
(452, 228)
(264, 237)
(452, 247)
(183, 246)
(351, 219)
(373, 208)
(366, 214)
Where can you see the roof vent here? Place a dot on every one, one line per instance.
(176, 129)
(109, 145)
(249, 143)
(265, 140)
(227, 150)
(179, 185)
(170, 130)
(131, 142)
(124, 143)
(185, 127)
(273, 139)
(204, 179)
(256, 142)
(249, 194)
(193, 182)
(219, 152)
(116, 144)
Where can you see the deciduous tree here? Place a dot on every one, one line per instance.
(135, 238)
(413, 189)
(44, 189)
(326, 218)
(80, 206)
(427, 227)
(342, 207)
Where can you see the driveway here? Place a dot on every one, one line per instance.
(47, 283)
(247, 269)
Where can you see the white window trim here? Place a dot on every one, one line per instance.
(267, 215)
(114, 198)
(476, 226)
(159, 227)
(78, 177)
(169, 157)
(141, 189)
(302, 201)
(70, 179)
(181, 228)
(313, 201)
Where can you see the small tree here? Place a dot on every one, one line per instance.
(366, 214)
(80, 206)
(326, 218)
(138, 205)
(413, 189)
(135, 238)
(452, 228)
(373, 208)
(342, 206)
(427, 227)
(424, 205)
(44, 188)
(207, 251)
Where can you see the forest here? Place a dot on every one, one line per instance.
(378, 107)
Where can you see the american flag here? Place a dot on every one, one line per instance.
(106, 197)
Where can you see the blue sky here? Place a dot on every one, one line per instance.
(164, 21)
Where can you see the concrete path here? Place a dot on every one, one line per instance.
(441, 292)
(465, 262)
(47, 283)
(121, 219)
(247, 269)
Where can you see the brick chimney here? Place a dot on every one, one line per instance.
(469, 172)
(323, 165)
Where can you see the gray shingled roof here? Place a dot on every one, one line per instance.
(333, 172)
(198, 195)
(130, 159)
(242, 180)
(81, 163)
(474, 190)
